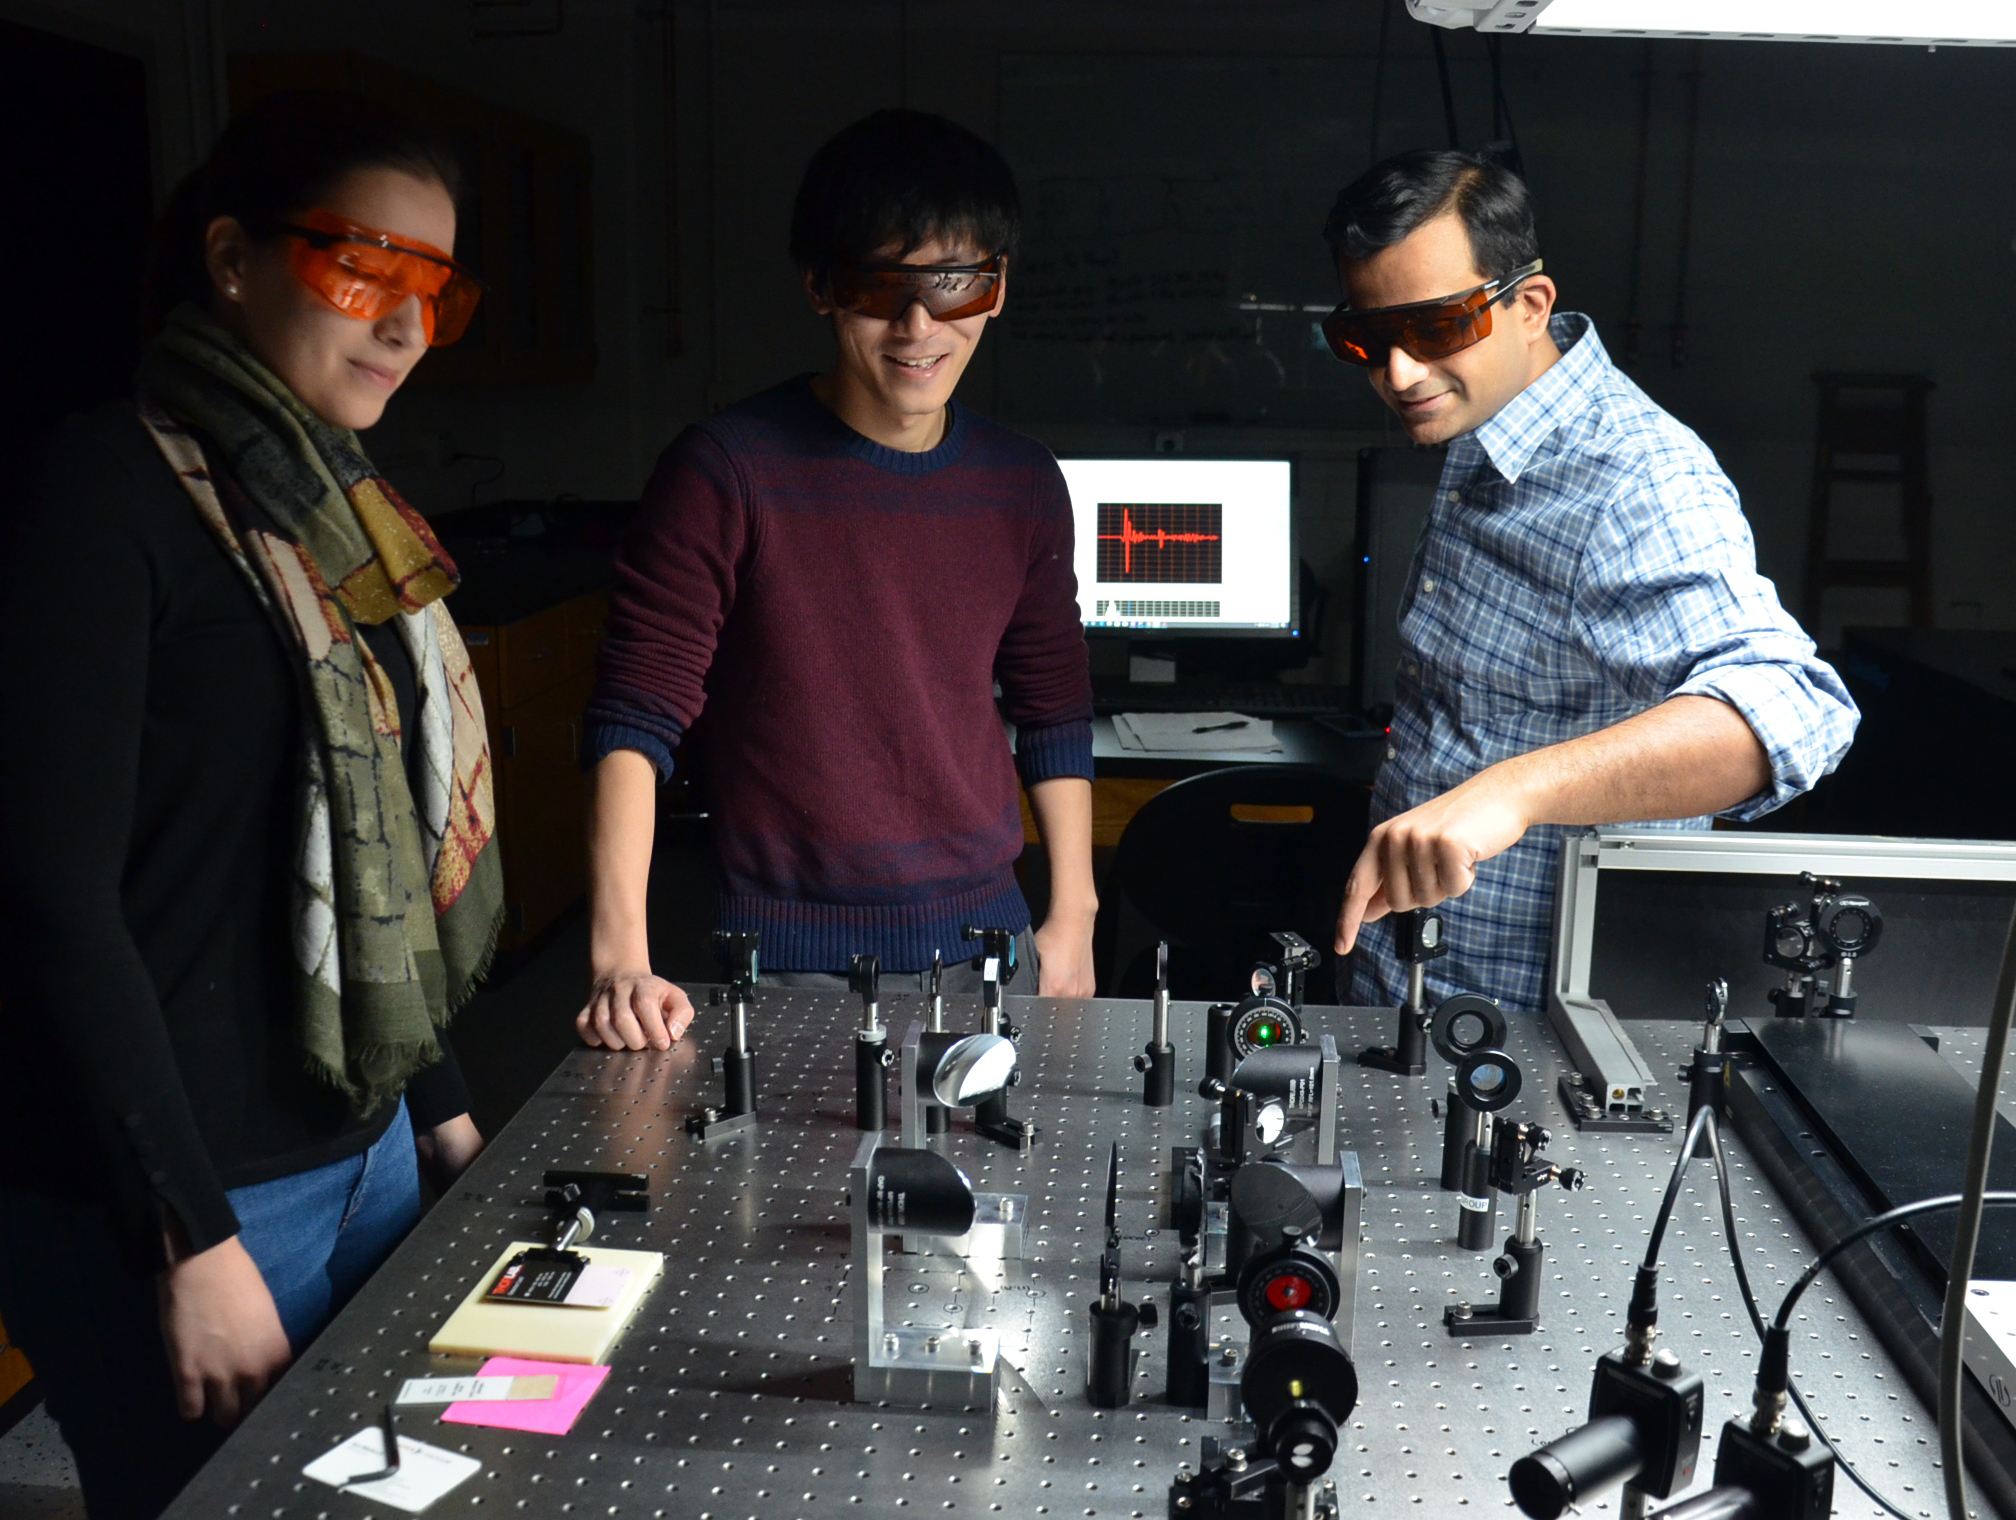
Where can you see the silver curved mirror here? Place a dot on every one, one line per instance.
(973, 1068)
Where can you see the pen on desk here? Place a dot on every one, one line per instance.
(1212, 728)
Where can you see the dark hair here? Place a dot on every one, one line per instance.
(1391, 199)
(275, 160)
(902, 177)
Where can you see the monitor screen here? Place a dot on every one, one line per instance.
(1184, 545)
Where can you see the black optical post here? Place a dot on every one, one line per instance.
(996, 962)
(872, 1056)
(1417, 940)
(1707, 1078)
(937, 1120)
(737, 954)
(1109, 1380)
(1516, 1168)
(1157, 1063)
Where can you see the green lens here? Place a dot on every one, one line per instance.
(1266, 1032)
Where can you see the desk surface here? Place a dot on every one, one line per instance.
(731, 1391)
(1304, 741)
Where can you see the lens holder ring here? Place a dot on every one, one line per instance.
(1848, 925)
(1456, 1011)
(1488, 1080)
(1320, 1291)
(1254, 1013)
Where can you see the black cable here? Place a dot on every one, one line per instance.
(1967, 1231)
(1378, 85)
(1702, 1118)
(1448, 91)
(1757, 1323)
(1863, 1231)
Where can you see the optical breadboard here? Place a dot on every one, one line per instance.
(1176, 545)
(732, 1390)
(1991, 1342)
(547, 1332)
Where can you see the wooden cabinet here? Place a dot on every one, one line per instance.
(536, 675)
(14, 1372)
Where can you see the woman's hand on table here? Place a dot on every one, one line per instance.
(223, 1334)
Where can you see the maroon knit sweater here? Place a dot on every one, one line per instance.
(822, 621)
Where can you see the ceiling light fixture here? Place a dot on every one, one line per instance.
(1946, 23)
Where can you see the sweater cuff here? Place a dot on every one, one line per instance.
(601, 739)
(435, 1094)
(619, 718)
(1062, 749)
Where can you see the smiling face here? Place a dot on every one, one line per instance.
(344, 370)
(1440, 399)
(893, 378)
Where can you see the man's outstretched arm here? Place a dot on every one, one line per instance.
(1688, 756)
(1063, 809)
(628, 1007)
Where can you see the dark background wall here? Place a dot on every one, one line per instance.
(1851, 210)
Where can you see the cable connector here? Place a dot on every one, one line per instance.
(1641, 1320)
(1774, 1377)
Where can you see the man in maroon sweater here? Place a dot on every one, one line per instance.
(824, 585)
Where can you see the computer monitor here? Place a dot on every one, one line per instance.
(1184, 546)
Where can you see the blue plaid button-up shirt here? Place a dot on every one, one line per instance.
(1585, 559)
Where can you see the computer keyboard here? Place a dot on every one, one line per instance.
(1259, 699)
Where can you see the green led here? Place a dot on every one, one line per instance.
(1266, 1032)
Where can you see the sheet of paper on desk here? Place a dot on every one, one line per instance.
(1181, 733)
(425, 1472)
(551, 1417)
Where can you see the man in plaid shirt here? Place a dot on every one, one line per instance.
(1585, 638)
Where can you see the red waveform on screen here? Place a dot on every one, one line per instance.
(1129, 536)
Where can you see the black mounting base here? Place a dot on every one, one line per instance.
(1016, 1134)
(1386, 1058)
(1462, 1320)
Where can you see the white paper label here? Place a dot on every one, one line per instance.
(452, 1390)
(425, 1472)
(597, 1287)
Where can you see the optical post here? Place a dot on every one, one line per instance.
(997, 968)
(1157, 1063)
(737, 953)
(1417, 940)
(872, 1056)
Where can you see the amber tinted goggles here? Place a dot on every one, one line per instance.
(365, 273)
(1423, 329)
(948, 291)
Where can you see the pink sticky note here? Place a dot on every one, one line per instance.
(549, 1417)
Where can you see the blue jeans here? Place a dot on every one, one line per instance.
(318, 1235)
(91, 1325)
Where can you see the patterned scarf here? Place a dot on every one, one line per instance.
(398, 898)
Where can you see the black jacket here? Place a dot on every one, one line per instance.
(150, 732)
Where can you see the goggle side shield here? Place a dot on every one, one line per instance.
(948, 291)
(365, 273)
(1424, 329)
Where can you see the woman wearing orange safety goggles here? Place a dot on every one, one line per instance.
(246, 866)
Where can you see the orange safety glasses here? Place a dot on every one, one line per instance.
(365, 273)
(948, 291)
(1424, 329)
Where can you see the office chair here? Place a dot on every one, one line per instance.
(1217, 863)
